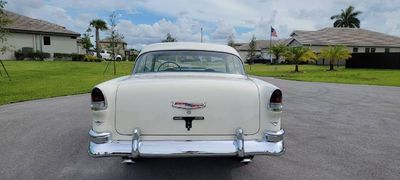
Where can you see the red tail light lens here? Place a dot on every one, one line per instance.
(98, 100)
(97, 95)
(275, 103)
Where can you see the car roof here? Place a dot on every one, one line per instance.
(189, 46)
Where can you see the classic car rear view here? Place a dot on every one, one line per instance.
(185, 100)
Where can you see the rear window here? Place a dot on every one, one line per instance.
(189, 61)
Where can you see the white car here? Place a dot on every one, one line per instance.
(107, 55)
(185, 100)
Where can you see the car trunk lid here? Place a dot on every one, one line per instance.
(164, 105)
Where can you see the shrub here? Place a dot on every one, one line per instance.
(26, 53)
(78, 57)
(26, 50)
(30, 55)
(90, 58)
(39, 55)
(132, 58)
(62, 56)
(19, 55)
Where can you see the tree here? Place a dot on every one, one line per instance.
(299, 54)
(86, 43)
(251, 52)
(334, 54)
(347, 18)
(99, 25)
(4, 21)
(231, 42)
(115, 38)
(169, 38)
(278, 51)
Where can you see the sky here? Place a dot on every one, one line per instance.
(148, 21)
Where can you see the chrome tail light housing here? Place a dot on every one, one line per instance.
(98, 100)
(275, 102)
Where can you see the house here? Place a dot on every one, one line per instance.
(357, 40)
(39, 35)
(262, 49)
(81, 49)
(120, 46)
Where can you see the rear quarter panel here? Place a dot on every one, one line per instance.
(270, 120)
(103, 120)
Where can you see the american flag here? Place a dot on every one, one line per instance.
(273, 32)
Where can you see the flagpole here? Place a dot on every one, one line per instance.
(270, 44)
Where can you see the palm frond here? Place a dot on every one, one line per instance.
(338, 23)
(337, 16)
(347, 18)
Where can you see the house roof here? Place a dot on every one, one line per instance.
(262, 44)
(345, 36)
(108, 40)
(21, 23)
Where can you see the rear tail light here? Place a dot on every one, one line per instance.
(275, 103)
(98, 100)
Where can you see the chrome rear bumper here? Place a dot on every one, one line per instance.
(101, 146)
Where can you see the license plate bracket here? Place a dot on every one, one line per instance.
(188, 120)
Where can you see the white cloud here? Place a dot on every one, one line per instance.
(219, 18)
(223, 31)
(184, 29)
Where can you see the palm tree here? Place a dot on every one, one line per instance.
(99, 25)
(334, 54)
(348, 18)
(299, 54)
(278, 51)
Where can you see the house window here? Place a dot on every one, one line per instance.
(46, 40)
(373, 50)
(387, 50)
(355, 50)
(367, 50)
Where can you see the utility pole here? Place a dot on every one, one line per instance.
(201, 36)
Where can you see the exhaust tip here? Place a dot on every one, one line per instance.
(246, 160)
(128, 161)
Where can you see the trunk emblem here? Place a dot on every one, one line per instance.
(188, 106)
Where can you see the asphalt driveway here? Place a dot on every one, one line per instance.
(334, 131)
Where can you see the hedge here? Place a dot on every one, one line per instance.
(38, 55)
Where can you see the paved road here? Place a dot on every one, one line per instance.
(333, 132)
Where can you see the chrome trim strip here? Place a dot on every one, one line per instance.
(188, 105)
(96, 106)
(274, 136)
(99, 138)
(276, 107)
(138, 148)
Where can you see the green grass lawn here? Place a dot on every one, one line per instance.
(38, 79)
(43, 79)
(320, 74)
